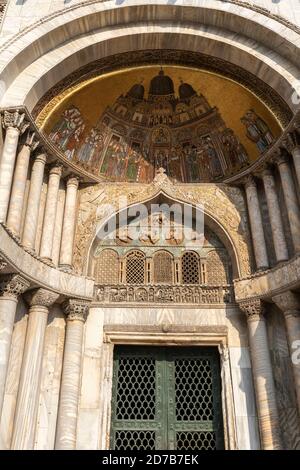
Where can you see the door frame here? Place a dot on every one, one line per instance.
(200, 336)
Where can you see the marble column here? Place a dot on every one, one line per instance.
(76, 311)
(294, 148)
(29, 386)
(257, 231)
(11, 287)
(280, 246)
(14, 124)
(290, 197)
(66, 250)
(58, 223)
(289, 304)
(14, 217)
(262, 376)
(50, 212)
(33, 202)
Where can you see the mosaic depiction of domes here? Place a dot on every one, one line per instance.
(163, 125)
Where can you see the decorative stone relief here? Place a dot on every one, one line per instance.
(254, 309)
(13, 285)
(16, 120)
(76, 309)
(42, 298)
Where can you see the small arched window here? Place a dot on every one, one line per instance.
(135, 267)
(107, 267)
(190, 268)
(163, 268)
(217, 268)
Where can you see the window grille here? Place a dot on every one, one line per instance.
(107, 268)
(163, 267)
(190, 268)
(217, 268)
(135, 267)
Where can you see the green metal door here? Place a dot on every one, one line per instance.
(166, 398)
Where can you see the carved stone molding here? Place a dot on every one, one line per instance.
(253, 309)
(15, 119)
(288, 302)
(41, 298)
(13, 285)
(76, 309)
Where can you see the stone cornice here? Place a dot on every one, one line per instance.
(39, 273)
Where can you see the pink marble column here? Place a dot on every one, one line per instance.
(66, 250)
(33, 202)
(29, 386)
(14, 217)
(15, 126)
(257, 231)
(263, 378)
(76, 311)
(50, 212)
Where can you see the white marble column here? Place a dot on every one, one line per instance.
(294, 147)
(11, 287)
(14, 124)
(290, 197)
(33, 202)
(289, 304)
(263, 379)
(76, 311)
(257, 231)
(14, 218)
(278, 235)
(66, 250)
(50, 212)
(29, 386)
(58, 223)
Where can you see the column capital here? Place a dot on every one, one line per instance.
(30, 141)
(56, 168)
(72, 180)
(16, 120)
(3, 263)
(280, 156)
(13, 285)
(249, 181)
(253, 309)
(42, 298)
(293, 140)
(288, 302)
(267, 170)
(76, 309)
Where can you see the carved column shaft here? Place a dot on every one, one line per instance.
(257, 231)
(76, 311)
(14, 126)
(291, 200)
(66, 254)
(280, 245)
(263, 376)
(11, 286)
(296, 159)
(29, 386)
(14, 217)
(289, 304)
(33, 202)
(50, 213)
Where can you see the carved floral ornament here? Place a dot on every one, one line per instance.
(253, 309)
(222, 203)
(13, 285)
(76, 309)
(42, 298)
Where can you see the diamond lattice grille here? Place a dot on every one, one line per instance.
(190, 268)
(163, 268)
(135, 268)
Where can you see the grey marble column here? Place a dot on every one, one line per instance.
(50, 212)
(290, 197)
(33, 202)
(66, 251)
(289, 304)
(29, 386)
(14, 124)
(11, 287)
(76, 311)
(263, 378)
(279, 241)
(14, 217)
(257, 231)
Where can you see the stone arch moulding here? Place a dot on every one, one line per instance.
(39, 56)
(220, 211)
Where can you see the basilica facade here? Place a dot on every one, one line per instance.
(149, 225)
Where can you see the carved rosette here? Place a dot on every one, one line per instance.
(76, 309)
(253, 309)
(13, 285)
(42, 298)
(16, 120)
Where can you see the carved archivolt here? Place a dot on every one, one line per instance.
(222, 205)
